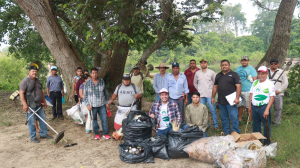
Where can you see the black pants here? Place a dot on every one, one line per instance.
(139, 104)
(76, 98)
(56, 96)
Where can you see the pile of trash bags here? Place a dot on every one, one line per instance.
(159, 146)
(136, 152)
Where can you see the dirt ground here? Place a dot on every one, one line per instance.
(16, 150)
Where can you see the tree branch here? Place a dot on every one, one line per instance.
(263, 6)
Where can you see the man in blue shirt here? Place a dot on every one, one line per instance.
(247, 75)
(55, 88)
(159, 79)
(177, 86)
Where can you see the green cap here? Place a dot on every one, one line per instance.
(203, 60)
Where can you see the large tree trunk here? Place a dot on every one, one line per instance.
(63, 51)
(281, 35)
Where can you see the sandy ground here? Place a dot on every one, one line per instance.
(16, 150)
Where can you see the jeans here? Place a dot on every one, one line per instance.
(31, 122)
(189, 99)
(231, 111)
(212, 109)
(186, 126)
(180, 103)
(257, 117)
(164, 131)
(56, 96)
(101, 111)
(157, 97)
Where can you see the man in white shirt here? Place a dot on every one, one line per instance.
(262, 94)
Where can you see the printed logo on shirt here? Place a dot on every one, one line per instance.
(258, 89)
(229, 75)
(243, 75)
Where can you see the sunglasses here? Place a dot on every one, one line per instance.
(273, 63)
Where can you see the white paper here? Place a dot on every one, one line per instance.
(230, 98)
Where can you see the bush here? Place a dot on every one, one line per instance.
(292, 92)
(149, 92)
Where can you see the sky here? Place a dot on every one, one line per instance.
(247, 8)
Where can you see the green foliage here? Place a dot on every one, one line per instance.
(294, 85)
(12, 72)
(149, 92)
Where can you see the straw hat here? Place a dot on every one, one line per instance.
(162, 65)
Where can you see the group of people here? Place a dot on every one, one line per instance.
(180, 98)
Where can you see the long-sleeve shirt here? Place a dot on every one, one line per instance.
(197, 115)
(190, 79)
(204, 82)
(55, 83)
(172, 111)
(176, 88)
(95, 95)
(159, 82)
(282, 82)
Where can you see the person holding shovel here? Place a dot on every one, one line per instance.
(31, 95)
(262, 95)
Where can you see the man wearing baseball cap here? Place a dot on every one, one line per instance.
(281, 85)
(262, 94)
(159, 79)
(55, 90)
(137, 78)
(177, 86)
(247, 75)
(164, 112)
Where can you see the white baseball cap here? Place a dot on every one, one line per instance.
(263, 69)
(163, 90)
(54, 67)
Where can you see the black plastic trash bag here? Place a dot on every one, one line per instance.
(145, 156)
(159, 147)
(135, 131)
(178, 140)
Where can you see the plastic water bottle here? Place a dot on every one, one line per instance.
(63, 100)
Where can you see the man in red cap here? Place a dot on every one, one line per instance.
(262, 94)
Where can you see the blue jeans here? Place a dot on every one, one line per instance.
(157, 97)
(163, 131)
(212, 109)
(189, 99)
(180, 103)
(232, 112)
(186, 126)
(101, 111)
(31, 122)
(257, 116)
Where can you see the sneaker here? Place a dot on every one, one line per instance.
(97, 137)
(34, 140)
(88, 131)
(46, 137)
(106, 136)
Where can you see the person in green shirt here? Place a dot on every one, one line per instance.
(196, 114)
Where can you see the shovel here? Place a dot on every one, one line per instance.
(59, 135)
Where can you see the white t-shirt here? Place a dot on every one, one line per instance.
(261, 92)
(164, 117)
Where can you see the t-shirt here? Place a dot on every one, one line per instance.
(126, 94)
(261, 92)
(164, 119)
(244, 74)
(137, 80)
(226, 85)
(75, 79)
(27, 85)
(82, 88)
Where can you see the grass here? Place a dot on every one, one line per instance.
(287, 135)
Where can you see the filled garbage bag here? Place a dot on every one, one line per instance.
(159, 146)
(128, 155)
(137, 126)
(75, 114)
(177, 141)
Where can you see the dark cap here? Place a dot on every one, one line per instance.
(126, 76)
(175, 64)
(33, 68)
(245, 58)
(274, 60)
(136, 67)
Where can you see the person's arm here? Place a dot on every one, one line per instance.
(85, 96)
(215, 88)
(151, 112)
(250, 103)
(195, 82)
(188, 117)
(177, 113)
(48, 85)
(266, 113)
(284, 83)
(73, 87)
(254, 74)
(113, 97)
(48, 92)
(62, 91)
(138, 94)
(238, 93)
(44, 100)
(22, 97)
(186, 91)
(80, 93)
(205, 120)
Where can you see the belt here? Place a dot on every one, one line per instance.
(260, 106)
(55, 92)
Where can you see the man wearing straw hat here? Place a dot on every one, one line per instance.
(159, 79)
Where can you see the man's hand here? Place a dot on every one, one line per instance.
(45, 105)
(63, 94)
(72, 95)
(89, 107)
(152, 116)
(277, 92)
(107, 105)
(213, 101)
(236, 101)
(48, 95)
(136, 96)
(186, 101)
(25, 108)
(266, 114)
(249, 110)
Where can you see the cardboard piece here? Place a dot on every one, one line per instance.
(255, 135)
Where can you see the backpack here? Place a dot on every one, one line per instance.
(119, 86)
